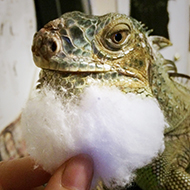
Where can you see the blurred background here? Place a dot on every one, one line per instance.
(20, 19)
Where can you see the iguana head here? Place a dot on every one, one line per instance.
(76, 42)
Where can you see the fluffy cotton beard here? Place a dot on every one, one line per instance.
(121, 132)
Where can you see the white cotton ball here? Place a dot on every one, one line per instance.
(121, 132)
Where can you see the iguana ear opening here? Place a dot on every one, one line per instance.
(159, 42)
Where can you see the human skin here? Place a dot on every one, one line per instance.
(74, 174)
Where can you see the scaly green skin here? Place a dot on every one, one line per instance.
(170, 170)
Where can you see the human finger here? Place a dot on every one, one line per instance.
(75, 174)
(21, 174)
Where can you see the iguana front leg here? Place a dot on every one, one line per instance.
(170, 170)
(177, 179)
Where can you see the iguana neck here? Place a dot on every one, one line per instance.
(171, 96)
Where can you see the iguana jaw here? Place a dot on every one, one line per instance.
(77, 65)
(71, 64)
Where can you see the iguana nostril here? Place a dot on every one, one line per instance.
(53, 46)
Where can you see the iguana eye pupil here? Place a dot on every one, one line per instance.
(118, 37)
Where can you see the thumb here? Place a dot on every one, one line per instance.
(74, 174)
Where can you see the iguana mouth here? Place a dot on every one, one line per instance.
(70, 64)
(79, 65)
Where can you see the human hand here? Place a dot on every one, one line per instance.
(74, 174)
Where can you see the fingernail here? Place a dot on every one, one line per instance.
(78, 173)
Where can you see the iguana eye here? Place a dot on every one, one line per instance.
(119, 37)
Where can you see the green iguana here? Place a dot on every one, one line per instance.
(77, 50)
